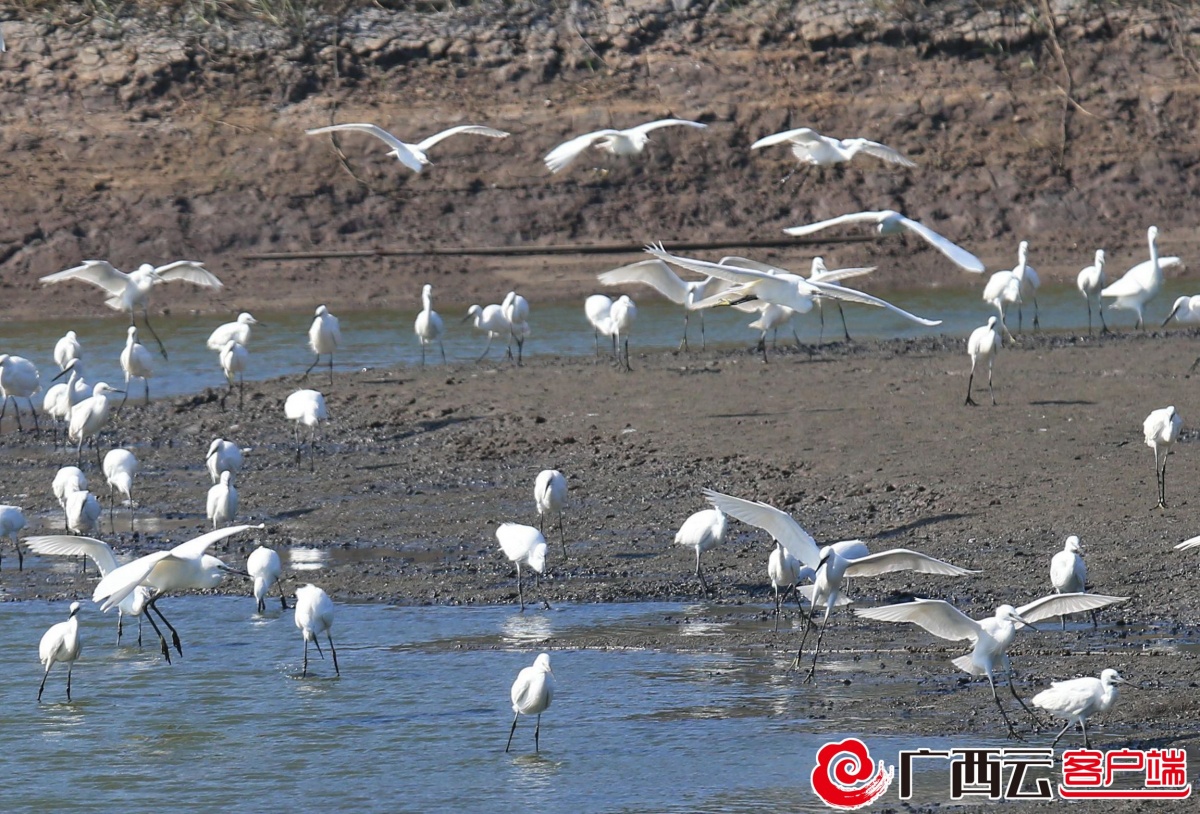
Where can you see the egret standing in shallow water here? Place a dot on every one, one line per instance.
(659, 276)
(1141, 283)
(324, 335)
(19, 378)
(550, 495)
(306, 408)
(83, 512)
(702, 531)
(137, 363)
(982, 345)
(61, 644)
(1068, 573)
(12, 520)
(264, 568)
(119, 467)
(516, 310)
(531, 694)
(234, 358)
(522, 544)
(1090, 282)
(784, 571)
(622, 316)
(1161, 430)
(490, 319)
(67, 480)
(1078, 699)
(314, 616)
(616, 142)
(428, 325)
(236, 331)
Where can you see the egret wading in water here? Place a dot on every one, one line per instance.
(598, 309)
(1141, 283)
(1161, 430)
(236, 331)
(1068, 573)
(119, 467)
(888, 222)
(61, 645)
(982, 346)
(659, 276)
(1079, 699)
(702, 531)
(129, 292)
(306, 408)
(1090, 282)
(1029, 282)
(264, 567)
(19, 379)
(428, 325)
(314, 616)
(550, 495)
(628, 142)
(234, 358)
(523, 544)
(12, 520)
(491, 320)
(410, 155)
(137, 363)
(516, 311)
(784, 571)
(622, 316)
(990, 637)
(531, 694)
(324, 335)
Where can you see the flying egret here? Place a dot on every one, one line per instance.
(1090, 282)
(411, 155)
(428, 325)
(888, 222)
(61, 545)
(550, 495)
(314, 616)
(1079, 699)
(1068, 573)
(1161, 430)
(19, 378)
(324, 335)
(222, 456)
(617, 142)
(89, 417)
(623, 315)
(1141, 283)
(234, 358)
(306, 408)
(522, 544)
(490, 319)
(982, 345)
(119, 467)
(784, 571)
(61, 644)
(990, 637)
(83, 512)
(67, 480)
(810, 147)
(264, 568)
(67, 350)
(237, 331)
(61, 397)
(12, 520)
(128, 292)
(702, 531)
(659, 276)
(598, 309)
(137, 362)
(516, 310)
(222, 504)
(185, 567)
(531, 694)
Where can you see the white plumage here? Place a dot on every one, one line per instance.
(12, 520)
(119, 467)
(314, 616)
(137, 362)
(491, 320)
(703, 530)
(236, 331)
(617, 142)
(1079, 699)
(1161, 430)
(307, 409)
(889, 222)
(222, 456)
(622, 315)
(19, 379)
(411, 155)
(67, 350)
(982, 346)
(810, 147)
(83, 512)
(61, 645)
(522, 545)
(233, 358)
(1141, 283)
(264, 567)
(550, 495)
(324, 336)
(222, 504)
(659, 276)
(428, 325)
(1090, 281)
(90, 416)
(531, 694)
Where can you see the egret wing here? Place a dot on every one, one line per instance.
(779, 524)
(474, 129)
(878, 150)
(561, 156)
(961, 257)
(902, 559)
(195, 547)
(731, 273)
(834, 275)
(854, 295)
(1186, 544)
(643, 129)
(1065, 604)
(403, 152)
(856, 217)
(654, 273)
(938, 617)
(68, 545)
(121, 582)
(800, 135)
(97, 272)
(188, 271)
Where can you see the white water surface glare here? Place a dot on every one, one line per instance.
(418, 719)
(384, 338)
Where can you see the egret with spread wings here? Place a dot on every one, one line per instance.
(617, 142)
(889, 222)
(410, 155)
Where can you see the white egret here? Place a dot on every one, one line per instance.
(659, 276)
(234, 358)
(1141, 283)
(784, 571)
(306, 408)
(324, 335)
(1003, 289)
(623, 315)
(67, 350)
(83, 512)
(61, 645)
(137, 363)
(89, 417)
(1090, 281)
(490, 319)
(60, 545)
(1161, 430)
(119, 467)
(990, 637)
(222, 456)
(128, 292)
(67, 480)
(19, 379)
(771, 317)
(222, 504)
(1068, 573)
(522, 544)
(810, 147)
(888, 222)
(617, 142)
(237, 331)
(411, 155)
(550, 495)
(1078, 699)
(12, 520)
(314, 616)
(598, 309)
(428, 325)
(265, 569)
(821, 273)
(1028, 280)
(531, 694)
(61, 397)
(1185, 311)
(982, 345)
(185, 567)
(516, 310)
(702, 531)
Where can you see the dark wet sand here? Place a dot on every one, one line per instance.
(871, 440)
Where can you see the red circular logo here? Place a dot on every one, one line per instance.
(842, 765)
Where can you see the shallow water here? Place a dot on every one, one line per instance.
(381, 339)
(415, 723)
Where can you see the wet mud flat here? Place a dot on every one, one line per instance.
(416, 468)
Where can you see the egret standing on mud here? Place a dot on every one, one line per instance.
(119, 467)
(89, 417)
(522, 544)
(622, 317)
(19, 378)
(784, 571)
(324, 335)
(1079, 699)
(12, 520)
(234, 358)
(1161, 430)
(428, 326)
(702, 531)
(137, 363)
(531, 694)
(1141, 283)
(550, 495)
(222, 456)
(1068, 573)
(982, 345)
(306, 408)
(1090, 282)
(222, 504)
